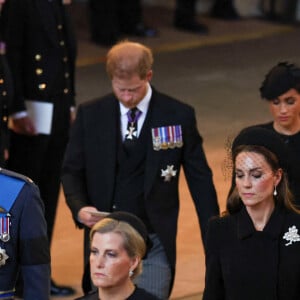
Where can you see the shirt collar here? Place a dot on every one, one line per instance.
(143, 104)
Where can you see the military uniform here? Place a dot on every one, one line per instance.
(41, 54)
(41, 51)
(23, 238)
(6, 91)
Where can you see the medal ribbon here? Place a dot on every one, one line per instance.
(133, 115)
(4, 228)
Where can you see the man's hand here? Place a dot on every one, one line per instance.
(24, 126)
(89, 215)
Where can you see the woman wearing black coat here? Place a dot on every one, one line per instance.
(253, 251)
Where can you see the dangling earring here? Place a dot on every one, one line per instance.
(275, 191)
(131, 273)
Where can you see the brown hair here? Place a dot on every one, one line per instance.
(284, 196)
(126, 59)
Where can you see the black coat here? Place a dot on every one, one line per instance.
(41, 52)
(35, 54)
(242, 263)
(89, 170)
(28, 247)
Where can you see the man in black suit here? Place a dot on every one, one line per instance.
(41, 53)
(6, 94)
(23, 231)
(6, 91)
(125, 153)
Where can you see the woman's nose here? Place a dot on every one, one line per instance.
(247, 181)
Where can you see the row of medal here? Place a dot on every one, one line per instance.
(4, 236)
(167, 137)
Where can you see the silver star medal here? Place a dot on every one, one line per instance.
(292, 235)
(130, 133)
(168, 173)
(3, 257)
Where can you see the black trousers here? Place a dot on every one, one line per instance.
(185, 11)
(40, 158)
(110, 18)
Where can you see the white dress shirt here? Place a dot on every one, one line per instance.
(142, 106)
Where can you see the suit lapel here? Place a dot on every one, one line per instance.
(108, 145)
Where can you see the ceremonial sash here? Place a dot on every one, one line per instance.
(10, 188)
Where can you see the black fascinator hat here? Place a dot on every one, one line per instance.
(259, 136)
(134, 222)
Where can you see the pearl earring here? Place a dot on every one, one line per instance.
(275, 191)
(131, 273)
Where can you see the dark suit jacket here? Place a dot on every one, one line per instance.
(34, 52)
(28, 247)
(242, 263)
(90, 165)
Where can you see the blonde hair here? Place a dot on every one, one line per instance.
(126, 59)
(133, 242)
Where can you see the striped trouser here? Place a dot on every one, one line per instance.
(156, 275)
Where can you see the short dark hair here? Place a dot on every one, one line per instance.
(281, 78)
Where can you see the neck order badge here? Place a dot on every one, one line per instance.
(133, 115)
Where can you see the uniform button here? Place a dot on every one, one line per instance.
(42, 86)
(5, 119)
(66, 91)
(62, 43)
(39, 71)
(114, 207)
(1, 80)
(4, 93)
(59, 26)
(65, 59)
(38, 57)
(67, 75)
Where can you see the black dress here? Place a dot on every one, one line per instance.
(138, 294)
(293, 145)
